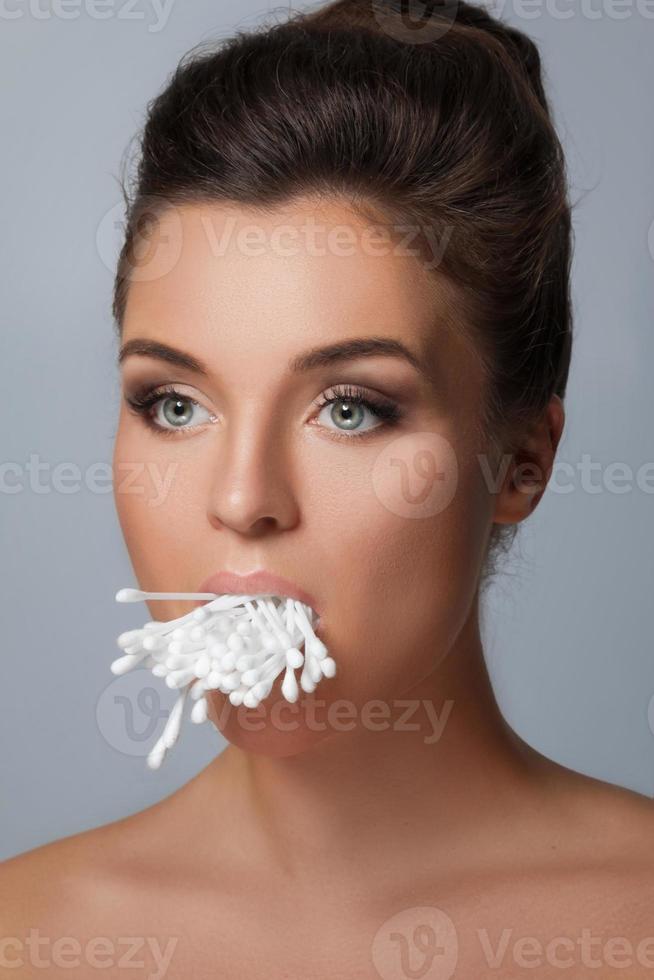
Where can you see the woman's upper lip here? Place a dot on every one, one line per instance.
(258, 582)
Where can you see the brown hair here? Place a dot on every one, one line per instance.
(439, 121)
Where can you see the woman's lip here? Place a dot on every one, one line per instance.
(259, 582)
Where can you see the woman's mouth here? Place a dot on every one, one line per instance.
(258, 582)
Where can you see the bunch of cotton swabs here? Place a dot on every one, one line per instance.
(237, 644)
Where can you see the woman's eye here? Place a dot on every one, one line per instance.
(351, 411)
(169, 411)
(178, 412)
(347, 416)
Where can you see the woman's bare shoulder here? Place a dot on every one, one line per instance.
(56, 872)
(118, 864)
(593, 850)
(82, 900)
(617, 823)
(122, 864)
(76, 877)
(576, 822)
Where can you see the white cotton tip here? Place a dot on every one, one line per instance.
(202, 665)
(178, 678)
(129, 595)
(199, 711)
(230, 682)
(313, 666)
(250, 700)
(123, 664)
(228, 661)
(289, 686)
(125, 639)
(156, 755)
(236, 644)
(261, 690)
(246, 662)
(153, 642)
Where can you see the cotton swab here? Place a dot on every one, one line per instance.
(237, 644)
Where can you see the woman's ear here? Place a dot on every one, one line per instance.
(530, 468)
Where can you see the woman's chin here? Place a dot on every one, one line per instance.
(275, 728)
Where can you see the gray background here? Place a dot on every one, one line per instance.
(568, 626)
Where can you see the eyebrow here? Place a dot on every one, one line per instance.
(314, 358)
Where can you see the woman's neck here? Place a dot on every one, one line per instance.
(410, 786)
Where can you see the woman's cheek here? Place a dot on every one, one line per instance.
(156, 478)
(155, 512)
(409, 587)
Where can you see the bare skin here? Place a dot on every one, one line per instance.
(423, 840)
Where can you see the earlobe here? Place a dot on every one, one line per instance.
(531, 465)
(523, 487)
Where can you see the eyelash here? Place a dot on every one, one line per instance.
(144, 399)
(389, 412)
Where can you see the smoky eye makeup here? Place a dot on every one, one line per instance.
(351, 402)
(148, 400)
(343, 410)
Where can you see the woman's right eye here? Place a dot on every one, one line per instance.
(167, 412)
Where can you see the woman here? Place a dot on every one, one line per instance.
(345, 281)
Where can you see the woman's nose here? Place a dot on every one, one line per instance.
(252, 489)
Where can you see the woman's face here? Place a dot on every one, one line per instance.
(384, 518)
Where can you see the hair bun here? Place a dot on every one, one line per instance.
(521, 48)
(401, 19)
